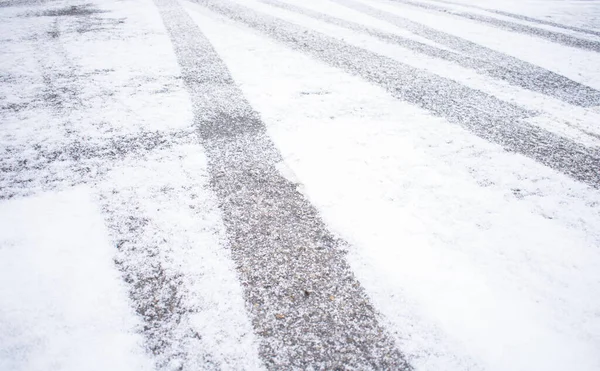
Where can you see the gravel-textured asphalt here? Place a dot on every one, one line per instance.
(486, 116)
(506, 68)
(548, 83)
(295, 291)
(306, 306)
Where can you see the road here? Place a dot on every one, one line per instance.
(283, 184)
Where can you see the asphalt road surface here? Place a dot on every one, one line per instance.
(282, 184)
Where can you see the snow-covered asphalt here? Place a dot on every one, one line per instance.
(285, 184)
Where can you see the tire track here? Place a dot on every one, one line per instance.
(490, 118)
(577, 94)
(519, 73)
(514, 27)
(171, 251)
(303, 299)
(525, 18)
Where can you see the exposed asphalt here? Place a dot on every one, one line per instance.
(306, 306)
(540, 79)
(556, 37)
(484, 115)
(512, 70)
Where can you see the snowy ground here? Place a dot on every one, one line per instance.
(285, 184)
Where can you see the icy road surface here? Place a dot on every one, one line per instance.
(286, 184)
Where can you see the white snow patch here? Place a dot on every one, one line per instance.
(584, 14)
(64, 306)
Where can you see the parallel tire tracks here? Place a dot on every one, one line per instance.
(486, 116)
(556, 37)
(516, 72)
(306, 306)
(525, 18)
(548, 82)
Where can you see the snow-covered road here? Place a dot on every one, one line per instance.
(285, 184)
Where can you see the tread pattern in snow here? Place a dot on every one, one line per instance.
(486, 116)
(305, 304)
(512, 70)
(535, 77)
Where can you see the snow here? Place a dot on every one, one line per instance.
(184, 234)
(122, 124)
(474, 257)
(480, 11)
(477, 258)
(564, 119)
(578, 13)
(64, 305)
(348, 14)
(578, 65)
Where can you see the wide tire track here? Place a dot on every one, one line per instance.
(517, 72)
(549, 83)
(486, 116)
(305, 304)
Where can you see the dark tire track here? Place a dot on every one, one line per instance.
(556, 37)
(486, 116)
(305, 304)
(518, 73)
(555, 84)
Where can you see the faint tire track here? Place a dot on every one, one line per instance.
(525, 18)
(147, 253)
(513, 26)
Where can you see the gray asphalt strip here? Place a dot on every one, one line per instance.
(556, 37)
(306, 306)
(525, 18)
(486, 116)
(562, 87)
(518, 73)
